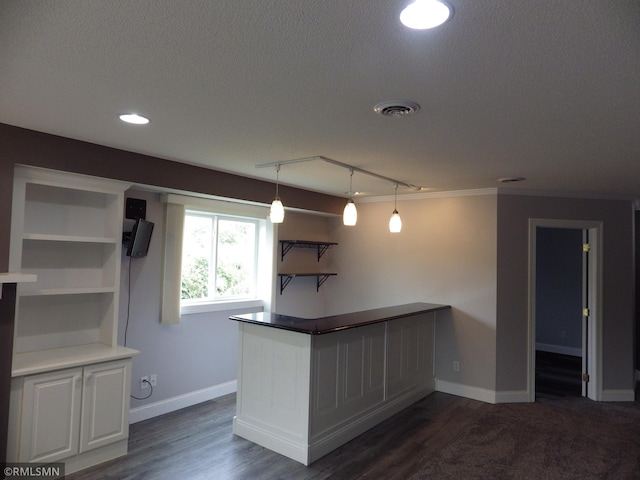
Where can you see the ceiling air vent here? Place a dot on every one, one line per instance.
(397, 108)
(511, 179)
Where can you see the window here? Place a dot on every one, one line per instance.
(219, 258)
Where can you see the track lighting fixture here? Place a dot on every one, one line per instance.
(350, 214)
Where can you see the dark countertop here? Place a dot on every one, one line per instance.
(336, 323)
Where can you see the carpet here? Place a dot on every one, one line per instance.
(569, 438)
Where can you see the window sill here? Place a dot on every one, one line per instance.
(221, 306)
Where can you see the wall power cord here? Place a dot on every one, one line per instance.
(150, 393)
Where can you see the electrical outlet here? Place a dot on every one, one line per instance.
(144, 382)
(456, 366)
(153, 379)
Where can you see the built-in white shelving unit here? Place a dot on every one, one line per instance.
(66, 230)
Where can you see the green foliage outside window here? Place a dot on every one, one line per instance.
(226, 245)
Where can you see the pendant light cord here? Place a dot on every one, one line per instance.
(351, 185)
(395, 200)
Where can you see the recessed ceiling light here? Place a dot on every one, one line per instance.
(424, 14)
(134, 118)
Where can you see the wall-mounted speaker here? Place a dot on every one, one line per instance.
(135, 208)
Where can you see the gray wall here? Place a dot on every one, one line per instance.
(199, 353)
(446, 253)
(514, 212)
(300, 298)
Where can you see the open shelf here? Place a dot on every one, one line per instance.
(66, 232)
(69, 238)
(321, 247)
(285, 278)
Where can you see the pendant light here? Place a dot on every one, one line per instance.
(350, 214)
(276, 214)
(395, 222)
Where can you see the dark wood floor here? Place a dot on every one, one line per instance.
(197, 443)
(558, 374)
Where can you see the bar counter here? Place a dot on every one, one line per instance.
(336, 323)
(307, 386)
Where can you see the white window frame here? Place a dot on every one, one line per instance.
(172, 307)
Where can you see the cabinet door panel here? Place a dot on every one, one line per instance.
(51, 412)
(409, 354)
(105, 404)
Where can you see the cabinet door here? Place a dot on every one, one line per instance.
(50, 416)
(105, 404)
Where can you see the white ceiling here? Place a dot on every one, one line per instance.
(544, 89)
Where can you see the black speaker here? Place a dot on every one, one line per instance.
(136, 208)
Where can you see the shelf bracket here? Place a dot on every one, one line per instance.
(322, 249)
(320, 279)
(284, 249)
(285, 278)
(284, 281)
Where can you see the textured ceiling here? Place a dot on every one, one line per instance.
(547, 90)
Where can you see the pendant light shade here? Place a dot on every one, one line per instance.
(276, 214)
(395, 222)
(350, 214)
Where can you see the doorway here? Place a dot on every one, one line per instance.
(559, 300)
(564, 291)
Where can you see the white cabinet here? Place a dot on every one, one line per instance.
(50, 404)
(63, 414)
(105, 404)
(70, 387)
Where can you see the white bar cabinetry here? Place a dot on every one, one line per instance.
(304, 395)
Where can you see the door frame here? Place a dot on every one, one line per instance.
(594, 286)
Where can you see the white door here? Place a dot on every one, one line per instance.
(51, 412)
(105, 404)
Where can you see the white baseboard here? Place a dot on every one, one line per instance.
(168, 405)
(466, 391)
(514, 396)
(547, 347)
(482, 394)
(618, 396)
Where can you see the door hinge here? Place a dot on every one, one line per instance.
(586, 248)
(586, 312)
(585, 377)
